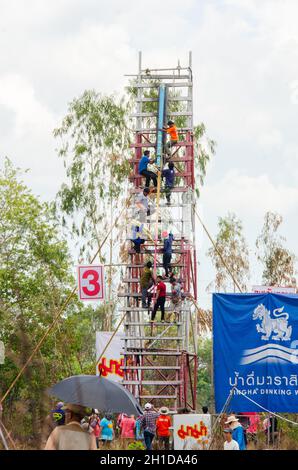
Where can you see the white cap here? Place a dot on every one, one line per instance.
(148, 406)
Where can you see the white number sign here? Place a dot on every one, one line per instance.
(91, 282)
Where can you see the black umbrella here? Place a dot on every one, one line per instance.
(96, 392)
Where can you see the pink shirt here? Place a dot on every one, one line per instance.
(128, 427)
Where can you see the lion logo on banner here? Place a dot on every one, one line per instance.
(277, 324)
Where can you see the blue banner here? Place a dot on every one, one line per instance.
(255, 340)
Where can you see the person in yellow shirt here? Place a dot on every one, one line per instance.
(171, 130)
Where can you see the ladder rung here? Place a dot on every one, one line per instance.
(153, 131)
(145, 115)
(182, 143)
(170, 85)
(163, 77)
(155, 100)
(176, 189)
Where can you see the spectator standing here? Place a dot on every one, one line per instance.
(71, 436)
(148, 424)
(127, 428)
(163, 424)
(139, 430)
(237, 431)
(106, 429)
(230, 443)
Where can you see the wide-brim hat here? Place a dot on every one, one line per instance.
(164, 410)
(232, 419)
(76, 409)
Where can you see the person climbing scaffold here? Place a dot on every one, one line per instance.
(160, 299)
(144, 171)
(171, 130)
(169, 175)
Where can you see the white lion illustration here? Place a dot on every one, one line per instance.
(278, 324)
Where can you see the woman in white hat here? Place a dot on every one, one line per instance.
(237, 431)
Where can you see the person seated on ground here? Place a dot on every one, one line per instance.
(143, 169)
(146, 281)
(71, 436)
(163, 424)
(160, 299)
(169, 175)
(171, 130)
(230, 443)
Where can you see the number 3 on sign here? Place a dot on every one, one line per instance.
(91, 282)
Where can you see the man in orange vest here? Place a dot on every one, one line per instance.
(173, 133)
(163, 424)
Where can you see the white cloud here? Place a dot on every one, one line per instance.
(252, 196)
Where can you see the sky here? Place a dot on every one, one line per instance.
(245, 65)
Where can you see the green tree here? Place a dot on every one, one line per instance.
(232, 246)
(278, 262)
(94, 145)
(204, 382)
(35, 278)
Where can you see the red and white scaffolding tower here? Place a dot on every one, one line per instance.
(160, 361)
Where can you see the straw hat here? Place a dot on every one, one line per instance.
(232, 419)
(76, 409)
(164, 410)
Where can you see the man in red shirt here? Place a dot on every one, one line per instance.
(163, 425)
(160, 299)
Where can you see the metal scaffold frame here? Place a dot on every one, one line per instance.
(160, 361)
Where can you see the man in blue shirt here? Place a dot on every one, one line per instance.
(143, 164)
(237, 431)
(167, 253)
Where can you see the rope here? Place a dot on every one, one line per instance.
(218, 252)
(156, 223)
(8, 434)
(265, 409)
(220, 415)
(56, 318)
